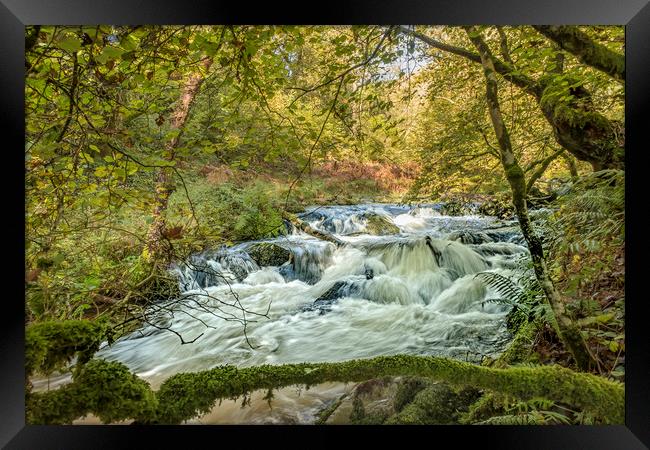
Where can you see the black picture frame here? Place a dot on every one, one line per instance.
(16, 14)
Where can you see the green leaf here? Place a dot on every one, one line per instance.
(69, 43)
(101, 172)
(91, 282)
(109, 53)
(129, 43)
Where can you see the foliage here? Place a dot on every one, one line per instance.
(50, 346)
(586, 242)
(532, 412)
(228, 212)
(591, 216)
(104, 388)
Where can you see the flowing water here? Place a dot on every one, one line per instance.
(413, 291)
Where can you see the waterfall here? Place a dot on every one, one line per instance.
(412, 292)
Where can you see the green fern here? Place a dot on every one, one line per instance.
(591, 215)
(524, 296)
(536, 411)
(528, 418)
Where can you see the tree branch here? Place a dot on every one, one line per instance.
(589, 52)
(542, 168)
(504, 69)
(345, 72)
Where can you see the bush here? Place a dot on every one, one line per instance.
(229, 212)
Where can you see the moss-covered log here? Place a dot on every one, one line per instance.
(110, 392)
(184, 396)
(106, 389)
(51, 345)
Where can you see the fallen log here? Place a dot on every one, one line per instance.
(306, 228)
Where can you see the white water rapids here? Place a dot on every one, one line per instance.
(412, 292)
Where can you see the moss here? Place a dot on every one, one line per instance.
(106, 389)
(380, 225)
(186, 395)
(358, 414)
(520, 348)
(436, 404)
(328, 411)
(50, 345)
(111, 392)
(489, 405)
(408, 389)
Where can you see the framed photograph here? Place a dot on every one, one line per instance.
(347, 220)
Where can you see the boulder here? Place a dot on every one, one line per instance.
(458, 208)
(379, 225)
(338, 290)
(269, 254)
(470, 237)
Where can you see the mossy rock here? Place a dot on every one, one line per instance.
(379, 225)
(489, 405)
(455, 208)
(269, 254)
(374, 401)
(438, 404)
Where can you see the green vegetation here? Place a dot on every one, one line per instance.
(104, 388)
(51, 345)
(186, 395)
(147, 144)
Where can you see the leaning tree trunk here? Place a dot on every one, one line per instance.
(157, 248)
(569, 333)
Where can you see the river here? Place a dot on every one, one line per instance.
(408, 288)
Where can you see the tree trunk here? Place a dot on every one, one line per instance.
(569, 333)
(582, 131)
(157, 248)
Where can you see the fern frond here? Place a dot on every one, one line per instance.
(504, 286)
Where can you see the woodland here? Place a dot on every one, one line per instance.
(406, 224)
